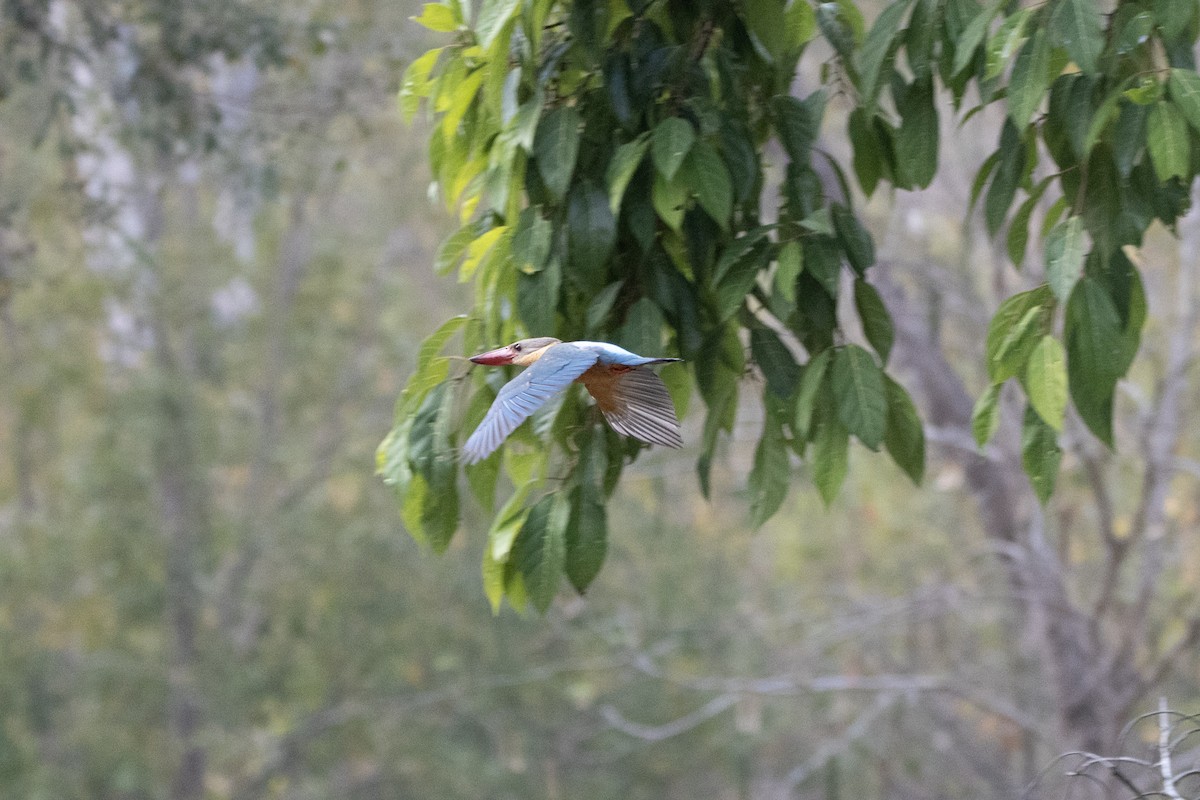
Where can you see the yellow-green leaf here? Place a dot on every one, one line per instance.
(1046, 381)
(438, 17)
(985, 417)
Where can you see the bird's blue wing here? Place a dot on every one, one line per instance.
(525, 394)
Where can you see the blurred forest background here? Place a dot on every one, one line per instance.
(215, 267)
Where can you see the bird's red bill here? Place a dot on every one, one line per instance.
(494, 358)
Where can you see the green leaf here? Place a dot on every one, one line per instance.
(539, 552)
(601, 304)
(868, 151)
(876, 321)
(555, 148)
(857, 384)
(620, 170)
(1135, 28)
(1075, 26)
(819, 221)
(1030, 78)
(1004, 43)
(1053, 215)
(479, 249)
(438, 17)
(985, 171)
(1046, 381)
(492, 572)
(737, 250)
(531, 241)
(797, 126)
(1009, 174)
(877, 51)
(924, 28)
(778, 365)
(453, 247)
(508, 521)
(587, 526)
(642, 331)
(985, 417)
(789, 263)
(972, 36)
(1040, 454)
(823, 262)
(1105, 114)
(493, 15)
(905, 436)
(1184, 86)
(672, 141)
(669, 198)
(737, 282)
(482, 475)
(412, 507)
(1014, 331)
(431, 454)
(1095, 354)
(705, 173)
(464, 94)
(430, 370)
(917, 137)
(591, 233)
(1143, 90)
(765, 20)
(856, 241)
(801, 24)
(769, 475)
(415, 83)
(525, 124)
(831, 450)
(1064, 256)
(538, 295)
(811, 382)
(1167, 141)
(1173, 16)
(1018, 229)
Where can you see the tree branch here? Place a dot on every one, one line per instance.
(657, 733)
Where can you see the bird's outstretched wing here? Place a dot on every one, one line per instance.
(525, 394)
(636, 403)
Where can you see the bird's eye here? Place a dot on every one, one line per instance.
(517, 347)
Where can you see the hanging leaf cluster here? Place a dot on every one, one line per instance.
(608, 164)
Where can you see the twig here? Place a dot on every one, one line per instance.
(657, 733)
(857, 730)
(1164, 751)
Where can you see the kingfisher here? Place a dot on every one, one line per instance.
(633, 399)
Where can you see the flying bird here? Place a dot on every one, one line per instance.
(632, 398)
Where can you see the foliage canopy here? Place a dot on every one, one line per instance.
(608, 162)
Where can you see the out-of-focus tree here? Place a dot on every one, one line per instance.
(607, 165)
(182, 284)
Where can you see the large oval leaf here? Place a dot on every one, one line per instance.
(857, 384)
(555, 148)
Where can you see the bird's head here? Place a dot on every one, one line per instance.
(522, 353)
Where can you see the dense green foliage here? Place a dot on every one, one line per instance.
(214, 250)
(631, 171)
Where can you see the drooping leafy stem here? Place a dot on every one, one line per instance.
(606, 159)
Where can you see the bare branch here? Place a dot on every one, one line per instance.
(1164, 751)
(657, 733)
(833, 747)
